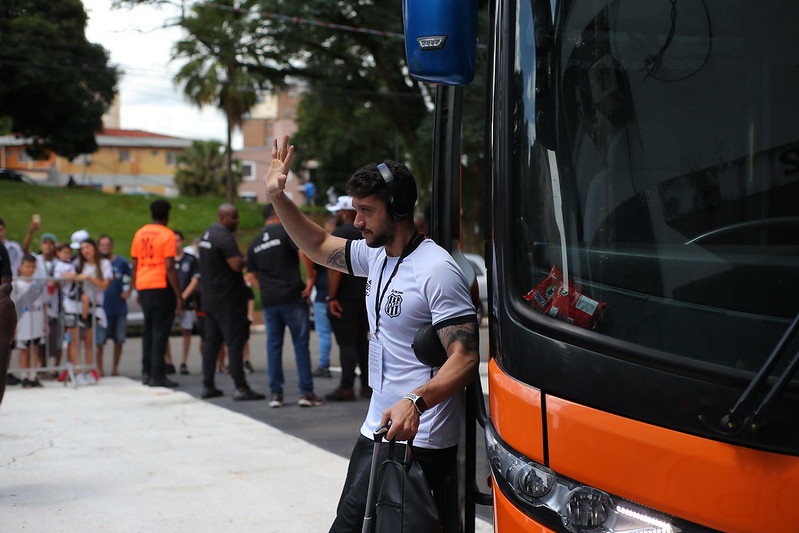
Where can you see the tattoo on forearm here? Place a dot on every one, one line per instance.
(337, 258)
(466, 334)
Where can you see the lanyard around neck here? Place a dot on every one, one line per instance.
(414, 243)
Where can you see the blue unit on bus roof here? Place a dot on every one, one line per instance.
(441, 40)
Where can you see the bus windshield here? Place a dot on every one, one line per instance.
(656, 172)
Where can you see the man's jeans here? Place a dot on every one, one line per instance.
(295, 315)
(323, 331)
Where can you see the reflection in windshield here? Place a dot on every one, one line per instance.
(665, 191)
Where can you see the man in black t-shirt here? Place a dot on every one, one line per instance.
(224, 301)
(273, 263)
(347, 311)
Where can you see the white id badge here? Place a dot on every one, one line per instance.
(375, 364)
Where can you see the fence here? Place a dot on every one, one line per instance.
(49, 328)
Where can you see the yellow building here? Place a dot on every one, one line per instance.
(129, 161)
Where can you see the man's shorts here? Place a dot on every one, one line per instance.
(117, 329)
(187, 320)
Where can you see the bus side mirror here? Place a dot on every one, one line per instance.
(441, 40)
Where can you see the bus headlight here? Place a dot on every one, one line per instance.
(586, 509)
(564, 505)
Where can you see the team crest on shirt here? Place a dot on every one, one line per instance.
(368, 286)
(394, 304)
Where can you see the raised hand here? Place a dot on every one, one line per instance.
(276, 176)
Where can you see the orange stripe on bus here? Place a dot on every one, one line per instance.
(715, 484)
(516, 412)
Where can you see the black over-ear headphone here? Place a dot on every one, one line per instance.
(397, 203)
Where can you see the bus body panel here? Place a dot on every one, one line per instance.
(725, 487)
(509, 519)
(516, 412)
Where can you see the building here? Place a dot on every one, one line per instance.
(128, 161)
(273, 116)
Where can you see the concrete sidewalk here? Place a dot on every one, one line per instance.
(125, 458)
(121, 457)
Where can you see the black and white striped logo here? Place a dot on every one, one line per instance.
(394, 304)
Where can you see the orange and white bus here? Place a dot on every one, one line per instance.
(642, 200)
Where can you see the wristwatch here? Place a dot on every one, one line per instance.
(418, 402)
(330, 298)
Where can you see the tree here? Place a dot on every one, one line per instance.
(221, 51)
(56, 85)
(202, 169)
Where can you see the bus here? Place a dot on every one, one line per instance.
(642, 222)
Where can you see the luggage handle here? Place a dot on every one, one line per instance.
(378, 438)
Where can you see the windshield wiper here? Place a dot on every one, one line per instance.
(738, 417)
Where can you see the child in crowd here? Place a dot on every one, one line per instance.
(29, 297)
(70, 303)
(94, 273)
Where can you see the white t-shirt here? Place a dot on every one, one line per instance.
(428, 287)
(14, 257)
(69, 291)
(30, 309)
(46, 269)
(96, 294)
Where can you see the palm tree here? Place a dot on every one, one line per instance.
(202, 169)
(221, 67)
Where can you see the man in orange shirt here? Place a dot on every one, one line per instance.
(156, 281)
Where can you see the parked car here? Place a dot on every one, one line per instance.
(478, 264)
(7, 174)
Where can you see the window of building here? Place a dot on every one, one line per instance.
(171, 158)
(24, 157)
(248, 170)
(124, 155)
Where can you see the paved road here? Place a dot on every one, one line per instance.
(328, 429)
(333, 426)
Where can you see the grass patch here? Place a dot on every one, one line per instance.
(65, 210)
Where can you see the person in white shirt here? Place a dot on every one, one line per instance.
(29, 297)
(411, 283)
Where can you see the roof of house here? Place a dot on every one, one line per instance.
(119, 138)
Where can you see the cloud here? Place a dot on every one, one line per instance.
(139, 43)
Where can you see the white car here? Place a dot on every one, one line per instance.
(478, 264)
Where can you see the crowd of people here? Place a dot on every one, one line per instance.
(72, 300)
(386, 283)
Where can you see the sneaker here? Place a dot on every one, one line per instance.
(207, 394)
(322, 372)
(37, 384)
(80, 379)
(27, 383)
(309, 400)
(277, 400)
(341, 395)
(248, 367)
(63, 376)
(170, 369)
(184, 370)
(162, 382)
(90, 377)
(243, 395)
(94, 375)
(11, 379)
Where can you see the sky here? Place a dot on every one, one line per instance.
(140, 47)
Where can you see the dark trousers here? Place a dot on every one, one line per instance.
(158, 306)
(440, 469)
(231, 327)
(352, 337)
